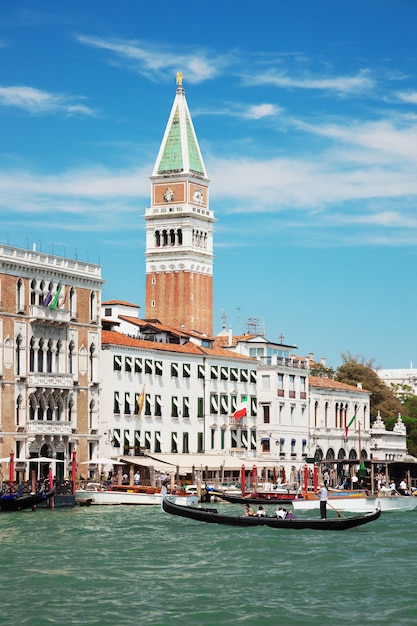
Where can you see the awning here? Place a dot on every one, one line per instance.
(169, 462)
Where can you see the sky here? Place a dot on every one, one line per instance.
(306, 116)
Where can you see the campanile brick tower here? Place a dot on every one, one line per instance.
(179, 229)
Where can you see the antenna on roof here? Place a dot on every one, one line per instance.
(223, 317)
(255, 326)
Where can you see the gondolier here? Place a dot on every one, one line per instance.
(324, 496)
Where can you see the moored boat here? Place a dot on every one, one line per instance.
(356, 502)
(256, 497)
(16, 502)
(94, 493)
(211, 516)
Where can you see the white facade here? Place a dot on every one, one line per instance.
(388, 445)
(333, 406)
(400, 377)
(191, 392)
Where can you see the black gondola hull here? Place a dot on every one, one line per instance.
(211, 516)
(19, 503)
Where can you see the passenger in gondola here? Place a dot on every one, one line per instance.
(261, 511)
(281, 513)
(249, 512)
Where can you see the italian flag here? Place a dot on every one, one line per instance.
(242, 409)
(349, 425)
(140, 400)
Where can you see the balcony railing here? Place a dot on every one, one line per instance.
(284, 361)
(49, 427)
(58, 381)
(46, 314)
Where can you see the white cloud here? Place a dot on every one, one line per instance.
(257, 111)
(339, 84)
(410, 96)
(37, 102)
(152, 61)
(378, 142)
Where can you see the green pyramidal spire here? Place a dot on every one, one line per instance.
(180, 152)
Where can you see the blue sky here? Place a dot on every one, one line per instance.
(306, 115)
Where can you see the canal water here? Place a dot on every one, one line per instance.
(126, 566)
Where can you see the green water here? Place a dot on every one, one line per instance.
(138, 566)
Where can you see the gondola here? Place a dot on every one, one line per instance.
(14, 502)
(211, 516)
(255, 498)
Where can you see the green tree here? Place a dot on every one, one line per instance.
(383, 399)
(322, 371)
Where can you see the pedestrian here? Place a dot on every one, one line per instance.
(324, 496)
(402, 487)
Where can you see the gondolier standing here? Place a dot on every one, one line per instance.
(324, 496)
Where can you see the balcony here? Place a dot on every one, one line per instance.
(56, 381)
(52, 316)
(50, 427)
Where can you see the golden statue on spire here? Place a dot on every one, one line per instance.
(179, 79)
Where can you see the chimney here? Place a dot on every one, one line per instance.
(323, 361)
(359, 385)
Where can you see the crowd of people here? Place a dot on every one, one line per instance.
(280, 512)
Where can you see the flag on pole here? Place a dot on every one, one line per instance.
(349, 425)
(140, 400)
(62, 298)
(55, 299)
(48, 298)
(242, 409)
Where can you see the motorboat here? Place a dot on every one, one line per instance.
(358, 501)
(96, 493)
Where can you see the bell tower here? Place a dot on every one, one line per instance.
(179, 229)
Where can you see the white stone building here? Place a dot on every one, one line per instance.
(339, 420)
(388, 445)
(399, 378)
(191, 390)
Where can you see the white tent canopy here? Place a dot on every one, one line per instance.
(102, 461)
(44, 459)
(169, 462)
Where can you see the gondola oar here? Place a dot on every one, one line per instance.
(339, 514)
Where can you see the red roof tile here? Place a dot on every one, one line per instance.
(329, 383)
(122, 302)
(110, 337)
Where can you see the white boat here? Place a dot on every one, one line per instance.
(357, 502)
(93, 493)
